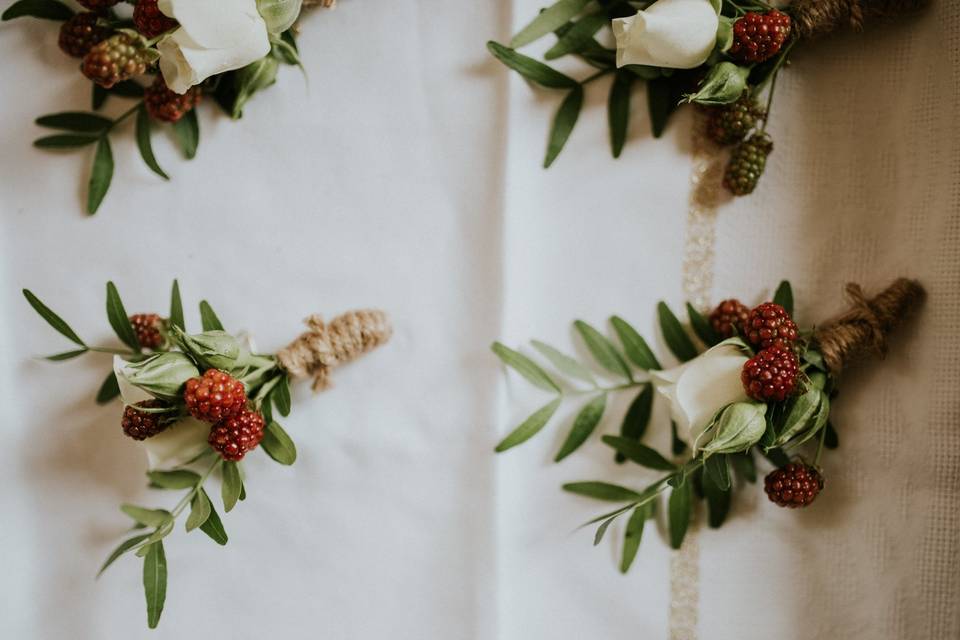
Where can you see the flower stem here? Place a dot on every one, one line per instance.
(123, 116)
(177, 510)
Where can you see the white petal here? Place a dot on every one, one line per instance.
(678, 34)
(706, 388)
(179, 444)
(219, 24)
(184, 63)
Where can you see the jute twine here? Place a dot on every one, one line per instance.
(818, 17)
(327, 345)
(863, 330)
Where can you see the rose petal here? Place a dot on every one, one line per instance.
(178, 444)
(678, 34)
(218, 24)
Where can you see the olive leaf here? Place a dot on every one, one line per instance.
(525, 367)
(65, 141)
(618, 110)
(701, 327)
(213, 526)
(529, 427)
(602, 350)
(109, 390)
(52, 318)
(634, 345)
(784, 296)
(564, 363)
(641, 454)
(174, 479)
(531, 69)
(633, 534)
(176, 308)
(679, 509)
(232, 485)
(208, 319)
(186, 130)
(637, 418)
(155, 582)
(563, 123)
(76, 121)
(200, 509)
(119, 319)
(278, 444)
(676, 338)
(144, 144)
(583, 425)
(603, 491)
(100, 175)
(45, 9)
(547, 21)
(125, 546)
(579, 35)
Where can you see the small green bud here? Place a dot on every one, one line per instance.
(162, 375)
(738, 427)
(279, 14)
(212, 349)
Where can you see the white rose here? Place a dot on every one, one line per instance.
(699, 388)
(214, 36)
(678, 34)
(176, 445)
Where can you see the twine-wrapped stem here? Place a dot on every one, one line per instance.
(863, 330)
(327, 345)
(814, 18)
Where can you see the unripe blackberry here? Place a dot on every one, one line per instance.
(731, 123)
(141, 425)
(115, 59)
(795, 485)
(149, 330)
(769, 324)
(729, 318)
(150, 21)
(759, 36)
(771, 375)
(233, 437)
(214, 396)
(747, 162)
(97, 5)
(167, 105)
(80, 33)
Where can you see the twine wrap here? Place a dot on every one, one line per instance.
(863, 330)
(325, 346)
(814, 18)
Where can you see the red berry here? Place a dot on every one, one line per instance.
(141, 425)
(148, 328)
(97, 5)
(771, 375)
(150, 21)
(795, 485)
(214, 396)
(80, 33)
(770, 324)
(115, 59)
(759, 36)
(729, 318)
(233, 437)
(167, 105)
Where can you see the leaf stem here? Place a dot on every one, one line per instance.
(177, 510)
(598, 74)
(117, 352)
(123, 116)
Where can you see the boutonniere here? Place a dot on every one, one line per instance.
(199, 403)
(721, 55)
(162, 57)
(750, 381)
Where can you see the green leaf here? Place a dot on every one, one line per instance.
(127, 89)
(531, 69)
(634, 345)
(584, 424)
(278, 444)
(784, 296)
(564, 363)
(77, 121)
(125, 546)
(208, 319)
(187, 132)
(578, 36)
(549, 20)
(633, 535)
(718, 497)
(737, 427)
(119, 319)
(241, 85)
(66, 355)
(109, 390)
(148, 517)
(743, 464)
(45, 9)
(603, 350)
(176, 308)
(676, 338)
(603, 491)
(679, 508)
(232, 485)
(715, 467)
(213, 526)
(530, 426)
(677, 446)
(155, 582)
(52, 318)
(98, 96)
(701, 327)
(525, 367)
(563, 123)
(176, 479)
(200, 509)
(831, 439)
(723, 85)
(637, 417)
(662, 100)
(602, 529)
(100, 175)
(641, 454)
(800, 415)
(618, 110)
(777, 457)
(281, 396)
(65, 141)
(144, 144)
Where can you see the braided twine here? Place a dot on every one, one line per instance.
(863, 330)
(327, 345)
(818, 17)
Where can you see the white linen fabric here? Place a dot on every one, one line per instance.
(406, 176)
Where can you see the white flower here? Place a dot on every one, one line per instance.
(176, 445)
(214, 36)
(699, 388)
(678, 34)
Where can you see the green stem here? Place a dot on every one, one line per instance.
(773, 83)
(823, 438)
(177, 510)
(598, 74)
(123, 116)
(116, 352)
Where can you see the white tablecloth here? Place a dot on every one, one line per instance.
(405, 175)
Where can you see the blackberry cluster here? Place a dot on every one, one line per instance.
(769, 324)
(747, 162)
(150, 21)
(729, 318)
(795, 485)
(115, 59)
(149, 330)
(759, 36)
(167, 105)
(730, 123)
(141, 425)
(80, 33)
(214, 396)
(233, 437)
(771, 375)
